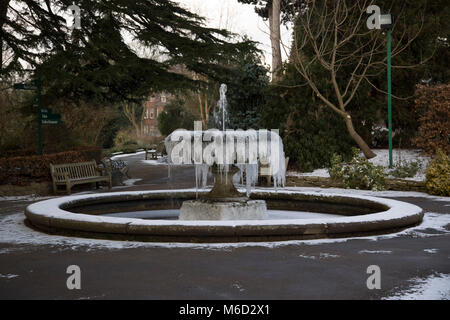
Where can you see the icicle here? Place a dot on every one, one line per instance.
(196, 181)
(169, 175)
(251, 176)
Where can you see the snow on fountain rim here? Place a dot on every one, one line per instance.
(52, 209)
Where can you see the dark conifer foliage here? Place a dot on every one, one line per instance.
(104, 60)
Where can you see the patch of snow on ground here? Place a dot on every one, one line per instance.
(431, 250)
(328, 255)
(387, 193)
(307, 257)
(131, 182)
(316, 173)
(31, 197)
(123, 155)
(320, 256)
(434, 287)
(375, 251)
(158, 162)
(8, 276)
(382, 159)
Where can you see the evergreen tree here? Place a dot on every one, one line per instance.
(100, 61)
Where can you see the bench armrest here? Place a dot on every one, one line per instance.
(105, 171)
(61, 174)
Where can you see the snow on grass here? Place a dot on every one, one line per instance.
(382, 159)
(431, 250)
(323, 173)
(434, 287)
(386, 193)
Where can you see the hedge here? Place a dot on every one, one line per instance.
(432, 106)
(23, 169)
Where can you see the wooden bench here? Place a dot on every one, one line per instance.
(153, 154)
(71, 174)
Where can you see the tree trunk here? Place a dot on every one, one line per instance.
(275, 38)
(369, 154)
(3, 16)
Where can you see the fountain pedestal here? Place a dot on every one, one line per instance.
(231, 210)
(223, 202)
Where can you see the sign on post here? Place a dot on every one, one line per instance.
(25, 86)
(47, 117)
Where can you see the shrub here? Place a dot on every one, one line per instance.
(432, 106)
(130, 148)
(405, 169)
(23, 169)
(123, 137)
(359, 173)
(437, 179)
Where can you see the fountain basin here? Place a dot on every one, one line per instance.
(81, 216)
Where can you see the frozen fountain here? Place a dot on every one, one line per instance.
(224, 213)
(224, 153)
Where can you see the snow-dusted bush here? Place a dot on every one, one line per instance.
(359, 173)
(438, 175)
(405, 169)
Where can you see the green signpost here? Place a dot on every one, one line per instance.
(377, 20)
(45, 116)
(389, 94)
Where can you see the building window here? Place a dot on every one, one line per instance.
(146, 114)
(163, 98)
(152, 99)
(151, 114)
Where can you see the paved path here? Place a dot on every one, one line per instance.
(33, 265)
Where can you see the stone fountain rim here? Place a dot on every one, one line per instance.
(51, 216)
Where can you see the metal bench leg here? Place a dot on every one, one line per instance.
(68, 188)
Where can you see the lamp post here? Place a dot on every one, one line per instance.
(384, 21)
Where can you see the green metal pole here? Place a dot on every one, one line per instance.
(389, 95)
(39, 97)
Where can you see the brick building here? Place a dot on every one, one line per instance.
(153, 106)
